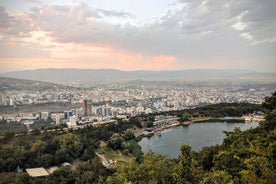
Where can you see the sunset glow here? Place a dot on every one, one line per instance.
(172, 35)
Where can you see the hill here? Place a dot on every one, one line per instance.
(22, 84)
(69, 75)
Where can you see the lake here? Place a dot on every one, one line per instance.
(197, 135)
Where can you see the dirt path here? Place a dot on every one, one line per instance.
(104, 160)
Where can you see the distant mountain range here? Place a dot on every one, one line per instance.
(69, 75)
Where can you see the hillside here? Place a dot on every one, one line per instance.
(22, 84)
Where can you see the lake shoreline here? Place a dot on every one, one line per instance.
(198, 135)
(157, 130)
(219, 120)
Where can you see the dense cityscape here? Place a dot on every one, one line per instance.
(127, 99)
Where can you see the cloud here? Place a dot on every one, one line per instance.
(13, 25)
(192, 30)
(239, 26)
(247, 36)
(113, 13)
(258, 16)
(181, 27)
(6, 21)
(59, 18)
(254, 17)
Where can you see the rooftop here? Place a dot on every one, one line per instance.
(37, 172)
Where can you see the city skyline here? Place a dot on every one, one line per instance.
(138, 35)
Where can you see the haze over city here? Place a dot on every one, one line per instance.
(138, 35)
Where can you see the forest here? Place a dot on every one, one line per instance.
(243, 157)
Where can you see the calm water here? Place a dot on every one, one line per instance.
(197, 135)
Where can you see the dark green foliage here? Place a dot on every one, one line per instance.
(55, 147)
(270, 102)
(216, 110)
(89, 171)
(207, 156)
(128, 135)
(184, 170)
(227, 109)
(22, 178)
(149, 124)
(12, 127)
(7, 177)
(116, 141)
(62, 175)
(41, 124)
(7, 137)
(217, 177)
(227, 161)
(135, 149)
(135, 121)
(154, 169)
(185, 116)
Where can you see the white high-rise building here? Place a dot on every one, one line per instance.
(11, 102)
(73, 122)
(57, 120)
(44, 116)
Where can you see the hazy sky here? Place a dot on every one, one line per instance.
(138, 34)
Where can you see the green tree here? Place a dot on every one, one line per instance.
(128, 135)
(153, 169)
(185, 116)
(71, 142)
(272, 152)
(217, 177)
(7, 137)
(228, 161)
(89, 171)
(63, 175)
(258, 170)
(46, 160)
(22, 179)
(270, 105)
(115, 141)
(39, 146)
(62, 155)
(270, 102)
(184, 171)
(206, 156)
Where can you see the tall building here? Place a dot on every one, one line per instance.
(89, 109)
(57, 120)
(11, 102)
(44, 116)
(85, 108)
(73, 122)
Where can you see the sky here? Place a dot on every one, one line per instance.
(138, 34)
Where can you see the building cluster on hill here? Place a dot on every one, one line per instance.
(142, 96)
(124, 100)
